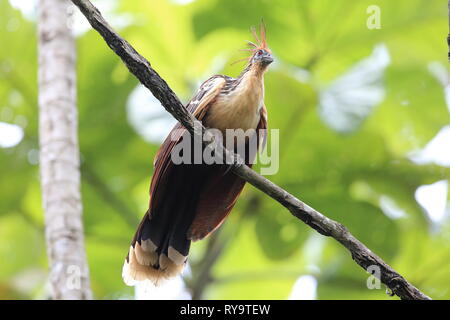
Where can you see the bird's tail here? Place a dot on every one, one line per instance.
(161, 245)
(187, 203)
(152, 258)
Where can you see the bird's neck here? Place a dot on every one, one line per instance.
(251, 81)
(253, 71)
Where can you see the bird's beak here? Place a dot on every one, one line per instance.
(267, 58)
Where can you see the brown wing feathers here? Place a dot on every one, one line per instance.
(221, 192)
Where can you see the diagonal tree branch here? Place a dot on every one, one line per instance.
(142, 69)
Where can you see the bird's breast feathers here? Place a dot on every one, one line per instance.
(238, 108)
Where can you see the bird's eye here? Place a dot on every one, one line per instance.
(260, 52)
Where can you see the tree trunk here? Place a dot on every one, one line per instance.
(59, 154)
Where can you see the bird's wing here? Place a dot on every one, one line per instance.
(199, 104)
(220, 193)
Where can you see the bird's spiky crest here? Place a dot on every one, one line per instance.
(259, 44)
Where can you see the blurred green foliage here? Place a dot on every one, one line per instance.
(343, 175)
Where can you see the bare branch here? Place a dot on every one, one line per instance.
(141, 68)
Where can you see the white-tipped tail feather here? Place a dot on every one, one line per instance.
(144, 263)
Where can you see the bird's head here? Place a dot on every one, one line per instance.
(261, 55)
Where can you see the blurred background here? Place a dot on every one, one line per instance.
(364, 138)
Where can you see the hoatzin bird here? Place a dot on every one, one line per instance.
(190, 201)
